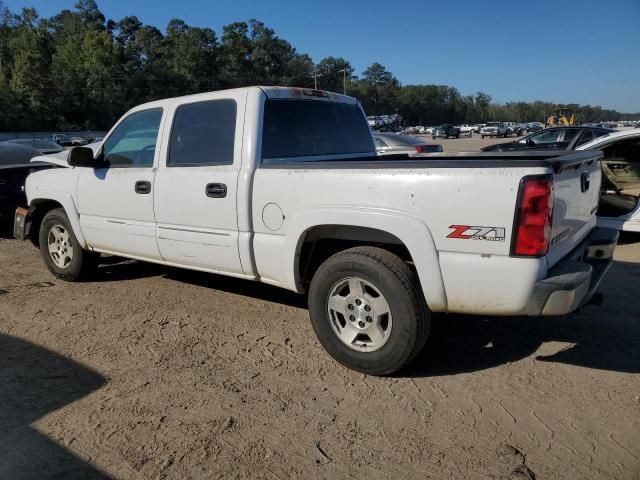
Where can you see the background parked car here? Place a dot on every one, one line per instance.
(45, 147)
(466, 129)
(75, 141)
(390, 143)
(59, 138)
(555, 138)
(445, 131)
(15, 166)
(494, 129)
(534, 127)
(620, 191)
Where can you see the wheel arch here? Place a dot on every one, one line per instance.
(52, 200)
(336, 229)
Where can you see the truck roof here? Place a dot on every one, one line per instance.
(270, 91)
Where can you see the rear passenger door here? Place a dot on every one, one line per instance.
(196, 186)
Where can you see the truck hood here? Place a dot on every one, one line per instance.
(59, 159)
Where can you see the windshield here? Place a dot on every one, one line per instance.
(307, 128)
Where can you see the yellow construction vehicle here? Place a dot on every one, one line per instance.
(563, 116)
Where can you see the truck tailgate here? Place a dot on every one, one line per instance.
(577, 178)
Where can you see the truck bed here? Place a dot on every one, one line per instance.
(553, 159)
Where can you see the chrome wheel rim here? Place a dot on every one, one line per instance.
(60, 247)
(359, 314)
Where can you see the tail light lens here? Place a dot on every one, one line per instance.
(428, 148)
(532, 230)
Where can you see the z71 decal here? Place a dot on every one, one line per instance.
(469, 232)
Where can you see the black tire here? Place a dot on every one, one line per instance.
(399, 286)
(458, 136)
(482, 137)
(82, 264)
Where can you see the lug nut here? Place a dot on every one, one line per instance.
(352, 318)
(367, 308)
(361, 324)
(358, 302)
(350, 307)
(369, 319)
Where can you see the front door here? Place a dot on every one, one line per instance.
(196, 186)
(116, 202)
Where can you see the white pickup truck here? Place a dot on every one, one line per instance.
(283, 186)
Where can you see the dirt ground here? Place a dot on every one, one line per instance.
(151, 372)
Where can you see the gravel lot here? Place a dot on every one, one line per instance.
(466, 144)
(153, 372)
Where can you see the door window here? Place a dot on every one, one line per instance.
(133, 142)
(203, 133)
(548, 136)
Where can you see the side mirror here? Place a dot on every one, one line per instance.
(82, 157)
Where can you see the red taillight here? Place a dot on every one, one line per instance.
(533, 217)
(428, 148)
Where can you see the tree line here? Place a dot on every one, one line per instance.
(78, 70)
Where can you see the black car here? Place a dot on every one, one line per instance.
(445, 131)
(556, 138)
(15, 166)
(44, 146)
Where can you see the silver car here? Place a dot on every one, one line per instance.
(392, 143)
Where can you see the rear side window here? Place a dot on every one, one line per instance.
(203, 133)
(308, 128)
(570, 135)
(547, 136)
(379, 143)
(587, 136)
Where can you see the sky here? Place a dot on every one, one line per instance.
(581, 51)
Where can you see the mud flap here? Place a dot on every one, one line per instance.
(22, 223)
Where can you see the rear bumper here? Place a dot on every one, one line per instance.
(572, 282)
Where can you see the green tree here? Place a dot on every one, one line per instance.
(378, 90)
(29, 80)
(335, 73)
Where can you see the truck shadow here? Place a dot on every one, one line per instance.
(603, 338)
(34, 382)
(117, 269)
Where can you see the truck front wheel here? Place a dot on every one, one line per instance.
(61, 251)
(368, 311)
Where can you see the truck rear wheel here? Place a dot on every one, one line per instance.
(368, 311)
(61, 251)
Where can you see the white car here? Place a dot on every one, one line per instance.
(466, 129)
(494, 129)
(620, 198)
(283, 186)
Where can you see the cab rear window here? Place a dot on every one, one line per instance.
(311, 128)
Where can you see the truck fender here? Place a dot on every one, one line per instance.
(64, 199)
(410, 230)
